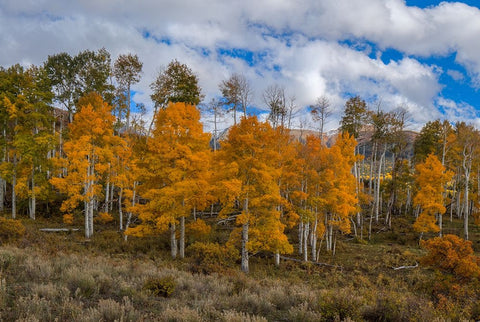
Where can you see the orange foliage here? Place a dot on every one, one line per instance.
(198, 229)
(174, 172)
(68, 219)
(88, 154)
(104, 218)
(452, 255)
(425, 223)
(250, 167)
(11, 228)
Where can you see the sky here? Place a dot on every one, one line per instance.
(423, 56)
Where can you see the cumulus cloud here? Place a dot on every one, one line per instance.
(455, 75)
(297, 44)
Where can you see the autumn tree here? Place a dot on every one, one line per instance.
(237, 93)
(340, 200)
(127, 70)
(175, 83)
(452, 255)
(27, 137)
(88, 153)
(431, 179)
(307, 198)
(174, 174)
(248, 182)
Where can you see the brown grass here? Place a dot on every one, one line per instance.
(62, 277)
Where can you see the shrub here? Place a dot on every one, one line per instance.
(452, 255)
(68, 219)
(11, 229)
(81, 283)
(103, 218)
(164, 286)
(198, 230)
(110, 310)
(340, 305)
(212, 257)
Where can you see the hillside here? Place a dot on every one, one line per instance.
(60, 276)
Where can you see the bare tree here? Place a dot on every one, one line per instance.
(320, 112)
(127, 70)
(215, 107)
(274, 97)
(237, 94)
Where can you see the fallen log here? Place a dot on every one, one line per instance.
(405, 267)
(56, 230)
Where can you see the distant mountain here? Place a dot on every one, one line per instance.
(365, 145)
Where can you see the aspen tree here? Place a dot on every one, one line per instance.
(173, 174)
(431, 178)
(89, 151)
(250, 176)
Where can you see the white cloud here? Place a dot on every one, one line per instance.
(300, 38)
(455, 75)
(459, 111)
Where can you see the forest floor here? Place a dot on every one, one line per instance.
(47, 276)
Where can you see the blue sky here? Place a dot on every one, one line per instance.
(421, 55)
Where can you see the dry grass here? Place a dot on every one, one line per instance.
(62, 278)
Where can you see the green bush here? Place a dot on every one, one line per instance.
(164, 286)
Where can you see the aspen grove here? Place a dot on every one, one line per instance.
(72, 146)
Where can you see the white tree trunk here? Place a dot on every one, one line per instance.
(377, 192)
(245, 240)
(466, 207)
(305, 241)
(182, 237)
(173, 241)
(277, 258)
(314, 239)
(107, 195)
(32, 200)
(120, 210)
(467, 167)
(14, 183)
(112, 189)
(300, 237)
(245, 248)
(129, 214)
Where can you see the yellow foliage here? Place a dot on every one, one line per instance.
(452, 255)
(255, 157)
(425, 223)
(104, 218)
(88, 152)
(175, 171)
(11, 228)
(198, 229)
(68, 219)
(431, 177)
